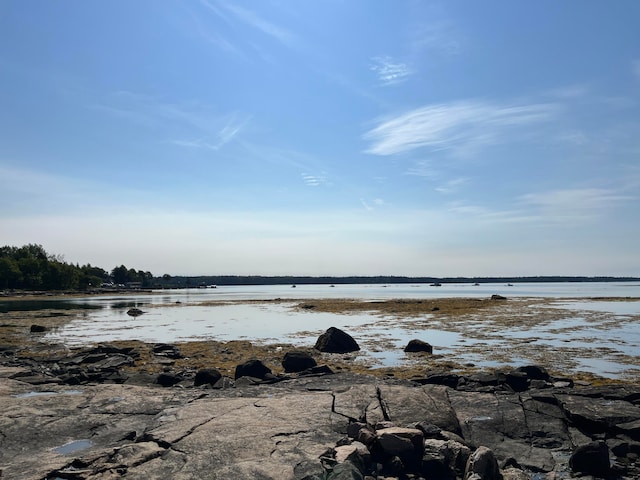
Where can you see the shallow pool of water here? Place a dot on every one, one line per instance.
(73, 447)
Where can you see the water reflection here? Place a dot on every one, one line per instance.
(178, 316)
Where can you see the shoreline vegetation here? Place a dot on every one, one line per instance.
(30, 269)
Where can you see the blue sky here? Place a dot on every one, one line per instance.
(324, 138)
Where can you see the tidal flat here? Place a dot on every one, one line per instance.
(593, 339)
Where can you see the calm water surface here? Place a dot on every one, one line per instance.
(176, 315)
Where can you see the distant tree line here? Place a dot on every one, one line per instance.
(30, 267)
(168, 281)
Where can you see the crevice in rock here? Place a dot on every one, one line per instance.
(383, 404)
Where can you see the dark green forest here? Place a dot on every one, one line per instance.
(30, 267)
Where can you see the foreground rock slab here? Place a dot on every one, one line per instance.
(288, 430)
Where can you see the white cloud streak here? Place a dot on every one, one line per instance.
(220, 138)
(457, 125)
(390, 72)
(251, 19)
(213, 129)
(314, 180)
(452, 186)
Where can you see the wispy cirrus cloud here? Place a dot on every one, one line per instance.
(452, 186)
(315, 180)
(219, 138)
(390, 72)
(233, 13)
(458, 125)
(183, 124)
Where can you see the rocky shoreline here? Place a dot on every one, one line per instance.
(91, 414)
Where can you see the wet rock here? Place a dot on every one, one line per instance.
(37, 329)
(297, 361)
(534, 372)
(166, 350)
(498, 297)
(253, 368)
(335, 340)
(207, 376)
(418, 346)
(591, 459)
(134, 312)
(518, 381)
(168, 379)
(440, 378)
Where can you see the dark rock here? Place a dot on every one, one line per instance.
(403, 443)
(207, 376)
(335, 340)
(591, 459)
(166, 350)
(354, 428)
(429, 430)
(483, 463)
(319, 370)
(497, 297)
(598, 415)
(518, 381)
(345, 471)
(534, 372)
(446, 379)
(418, 346)
(485, 379)
(37, 329)
(297, 361)
(512, 425)
(134, 312)
(168, 379)
(393, 467)
(444, 459)
(255, 369)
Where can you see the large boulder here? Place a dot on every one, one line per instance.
(482, 464)
(418, 346)
(591, 459)
(255, 369)
(207, 376)
(297, 361)
(335, 340)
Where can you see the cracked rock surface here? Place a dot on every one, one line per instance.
(283, 430)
